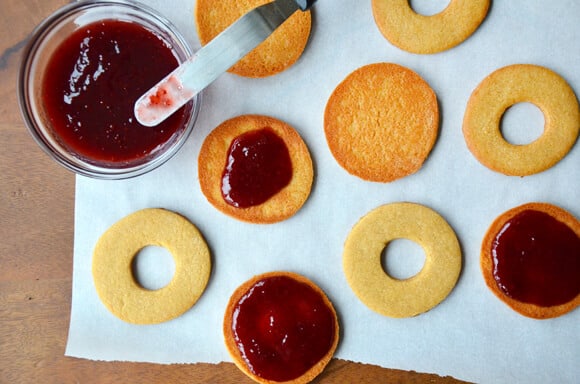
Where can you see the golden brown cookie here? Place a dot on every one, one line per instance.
(381, 122)
(213, 159)
(530, 260)
(280, 327)
(409, 297)
(511, 85)
(113, 275)
(417, 33)
(282, 49)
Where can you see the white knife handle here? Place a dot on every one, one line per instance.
(305, 4)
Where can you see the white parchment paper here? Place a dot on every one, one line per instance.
(471, 335)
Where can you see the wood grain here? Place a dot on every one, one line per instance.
(37, 213)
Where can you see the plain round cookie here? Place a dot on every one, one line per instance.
(421, 34)
(409, 297)
(213, 157)
(381, 122)
(231, 344)
(487, 263)
(112, 266)
(511, 85)
(277, 53)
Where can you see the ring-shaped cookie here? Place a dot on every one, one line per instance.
(511, 85)
(112, 269)
(417, 33)
(409, 297)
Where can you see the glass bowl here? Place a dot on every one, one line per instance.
(47, 41)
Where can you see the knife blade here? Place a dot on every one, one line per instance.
(215, 58)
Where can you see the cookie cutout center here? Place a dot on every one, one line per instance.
(153, 267)
(428, 7)
(402, 259)
(522, 124)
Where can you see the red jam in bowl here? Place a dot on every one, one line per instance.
(537, 259)
(282, 327)
(91, 84)
(258, 166)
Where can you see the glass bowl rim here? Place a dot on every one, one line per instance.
(78, 165)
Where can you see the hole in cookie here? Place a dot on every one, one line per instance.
(153, 267)
(428, 7)
(402, 259)
(522, 124)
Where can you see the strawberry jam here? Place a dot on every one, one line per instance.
(92, 82)
(258, 166)
(282, 327)
(537, 259)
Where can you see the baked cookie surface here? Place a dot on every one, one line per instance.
(281, 50)
(381, 122)
(112, 266)
(213, 159)
(511, 85)
(417, 33)
(530, 260)
(409, 297)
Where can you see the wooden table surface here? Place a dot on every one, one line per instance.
(36, 252)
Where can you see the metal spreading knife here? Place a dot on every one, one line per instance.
(219, 55)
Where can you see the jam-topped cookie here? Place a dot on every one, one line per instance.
(256, 169)
(530, 259)
(279, 327)
(277, 53)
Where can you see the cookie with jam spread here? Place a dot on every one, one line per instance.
(256, 169)
(280, 327)
(530, 260)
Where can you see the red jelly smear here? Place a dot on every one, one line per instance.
(161, 98)
(258, 166)
(94, 79)
(537, 259)
(282, 328)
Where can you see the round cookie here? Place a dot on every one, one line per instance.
(511, 85)
(421, 34)
(520, 281)
(381, 122)
(279, 339)
(112, 266)
(213, 157)
(278, 52)
(410, 297)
